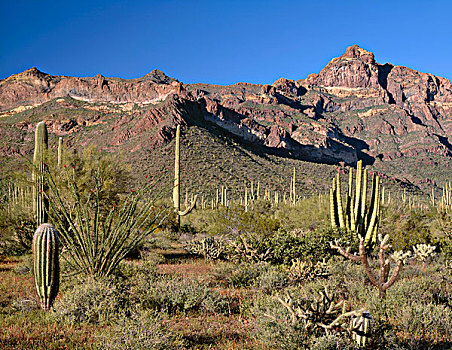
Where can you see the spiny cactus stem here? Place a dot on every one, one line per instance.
(383, 283)
(60, 152)
(46, 266)
(40, 202)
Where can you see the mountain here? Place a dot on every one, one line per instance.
(399, 121)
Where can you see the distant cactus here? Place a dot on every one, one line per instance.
(361, 326)
(303, 271)
(60, 152)
(176, 189)
(210, 248)
(46, 265)
(423, 252)
(40, 202)
(358, 216)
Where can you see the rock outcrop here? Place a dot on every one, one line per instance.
(353, 108)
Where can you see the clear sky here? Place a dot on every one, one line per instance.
(219, 42)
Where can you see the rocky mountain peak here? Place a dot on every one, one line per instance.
(356, 52)
(32, 73)
(158, 77)
(356, 68)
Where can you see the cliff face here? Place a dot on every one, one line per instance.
(34, 87)
(354, 108)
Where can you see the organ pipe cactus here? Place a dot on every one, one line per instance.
(358, 215)
(176, 189)
(40, 202)
(45, 264)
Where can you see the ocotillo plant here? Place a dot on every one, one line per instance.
(97, 238)
(358, 215)
(176, 189)
(40, 202)
(45, 264)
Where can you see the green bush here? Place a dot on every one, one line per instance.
(173, 295)
(93, 301)
(282, 247)
(263, 276)
(142, 331)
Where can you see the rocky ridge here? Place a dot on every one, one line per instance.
(355, 108)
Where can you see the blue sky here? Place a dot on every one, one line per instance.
(219, 42)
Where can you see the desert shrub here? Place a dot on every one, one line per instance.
(271, 278)
(282, 247)
(425, 320)
(275, 331)
(16, 217)
(25, 266)
(235, 221)
(141, 331)
(331, 342)
(407, 229)
(263, 276)
(241, 275)
(172, 295)
(93, 301)
(310, 214)
(311, 246)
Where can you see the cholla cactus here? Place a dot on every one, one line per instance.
(423, 252)
(241, 249)
(383, 282)
(324, 314)
(361, 327)
(307, 271)
(400, 255)
(210, 248)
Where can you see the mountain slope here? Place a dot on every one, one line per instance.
(397, 120)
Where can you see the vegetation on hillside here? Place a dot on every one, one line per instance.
(248, 268)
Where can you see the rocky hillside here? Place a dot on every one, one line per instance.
(399, 121)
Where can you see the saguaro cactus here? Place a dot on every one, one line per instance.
(60, 152)
(358, 215)
(40, 202)
(176, 189)
(361, 328)
(46, 264)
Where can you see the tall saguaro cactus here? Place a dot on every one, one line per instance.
(40, 202)
(358, 215)
(60, 152)
(176, 189)
(46, 265)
